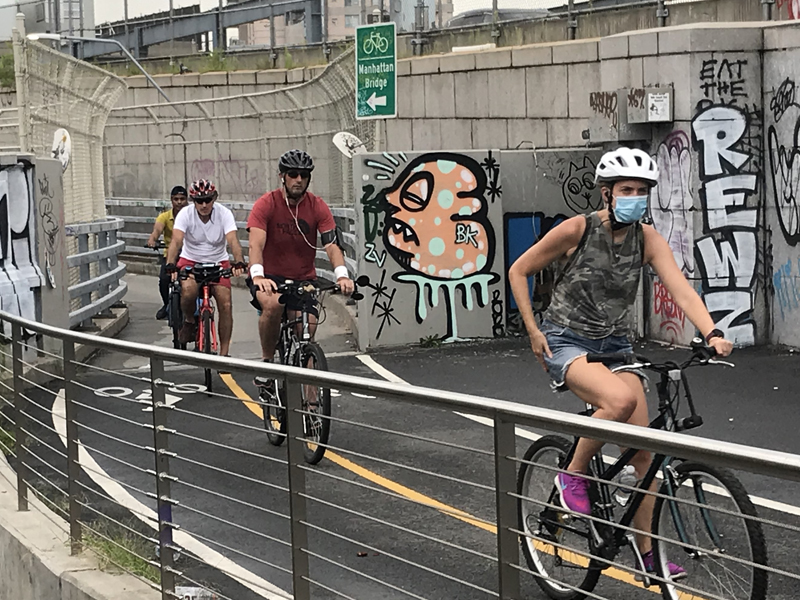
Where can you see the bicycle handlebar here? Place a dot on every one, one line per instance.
(701, 354)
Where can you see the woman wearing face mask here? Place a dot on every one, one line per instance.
(603, 255)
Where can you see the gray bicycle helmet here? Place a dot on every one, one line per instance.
(295, 160)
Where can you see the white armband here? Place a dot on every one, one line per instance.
(256, 271)
(340, 272)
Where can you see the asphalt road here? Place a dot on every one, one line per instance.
(365, 500)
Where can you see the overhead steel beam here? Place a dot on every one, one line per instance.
(246, 12)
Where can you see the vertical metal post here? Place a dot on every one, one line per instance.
(127, 26)
(439, 16)
(219, 42)
(572, 21)
(171, 31)
(297, 487)
(326, 51)
(85, 274)
(19, 417)
(505, 473)
(82, 25)
(662, 12)
(163, 478)
(766, 9)
(362, 17)
(495, 19)
(102, 264)
(273, 52)
(20, 68)
(73, 466)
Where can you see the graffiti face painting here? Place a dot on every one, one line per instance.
(437, 223)
(433, 221)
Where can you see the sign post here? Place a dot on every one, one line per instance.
(376, 71)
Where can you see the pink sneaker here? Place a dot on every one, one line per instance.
(676, 572)
(574, 493)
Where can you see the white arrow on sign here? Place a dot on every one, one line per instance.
(376, 100)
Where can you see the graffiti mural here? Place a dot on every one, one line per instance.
(726, 134)
(21, 279)
(429, 244)
(792, 8)
(670, 211)
(786, 283)
(784, 165)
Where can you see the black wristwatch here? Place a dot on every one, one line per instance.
(713, 334)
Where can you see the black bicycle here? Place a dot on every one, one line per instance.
(703, 511)
(174, 312)
(295, 348)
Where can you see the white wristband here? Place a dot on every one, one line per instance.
(256, 271)
(340, 272)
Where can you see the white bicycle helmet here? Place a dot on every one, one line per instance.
(626, 163)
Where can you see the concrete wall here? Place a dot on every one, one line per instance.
(726, 202)
(35, 563)
(782, 168)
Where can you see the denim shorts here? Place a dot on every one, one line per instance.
(567, 345)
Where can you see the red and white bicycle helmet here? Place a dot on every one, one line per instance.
(202, 189)
(626, 163)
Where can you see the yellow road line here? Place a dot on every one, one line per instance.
(407, 492)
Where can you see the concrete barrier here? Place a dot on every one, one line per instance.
(35, 561)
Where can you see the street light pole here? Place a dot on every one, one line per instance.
(51, 36)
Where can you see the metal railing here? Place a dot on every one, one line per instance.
(204, 491)
(99, 273)
(138, 227)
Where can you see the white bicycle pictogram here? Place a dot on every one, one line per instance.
(374, 42)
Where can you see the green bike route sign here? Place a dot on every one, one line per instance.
(376, 71)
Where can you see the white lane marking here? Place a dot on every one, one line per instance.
(529, 435)
(210, 556)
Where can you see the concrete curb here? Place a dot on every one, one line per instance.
(35, 561)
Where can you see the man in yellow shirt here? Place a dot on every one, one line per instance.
(164, 223)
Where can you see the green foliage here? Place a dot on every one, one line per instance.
(7, 78)
(121, 554)
(431, 341)
(217, 61)
(7, 441)
(288, 61)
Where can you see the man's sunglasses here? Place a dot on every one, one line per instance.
(296, 174)
(203, 200)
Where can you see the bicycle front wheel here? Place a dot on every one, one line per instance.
(316, 406)
(207, 324)
(710, 535)
(175, 319)
(273, 399)
(555, 543)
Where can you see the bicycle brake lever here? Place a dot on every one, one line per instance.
(716, 361)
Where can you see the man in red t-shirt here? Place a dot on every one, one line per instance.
(283, 228)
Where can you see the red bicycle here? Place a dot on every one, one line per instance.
(206, 341)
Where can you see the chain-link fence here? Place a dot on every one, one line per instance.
(54, 92)
(57, 91)
(236, 140)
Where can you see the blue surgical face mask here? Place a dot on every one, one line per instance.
(630, 209)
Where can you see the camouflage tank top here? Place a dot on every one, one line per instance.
(599, 282)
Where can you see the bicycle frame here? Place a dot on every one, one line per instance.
(669, 387)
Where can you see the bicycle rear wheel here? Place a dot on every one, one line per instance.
(556, 543)
(207, 324)
(273, 405)
(316, 406)
(705, 539)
